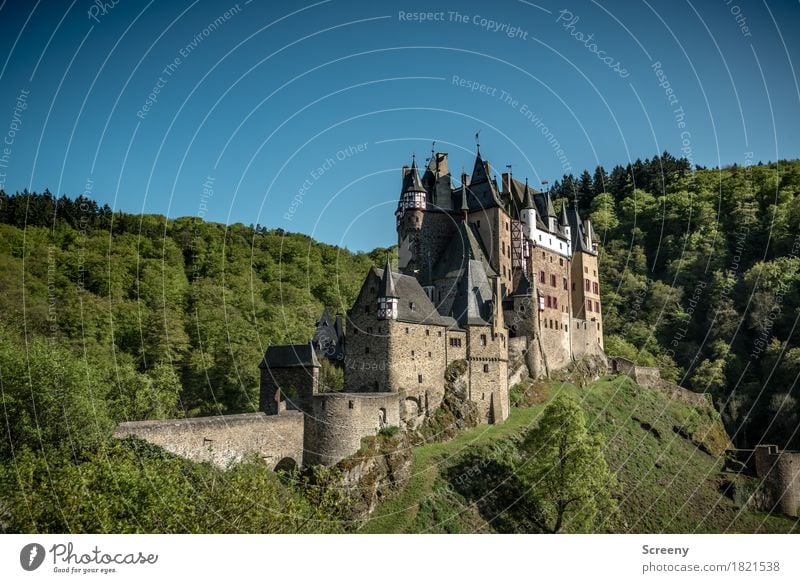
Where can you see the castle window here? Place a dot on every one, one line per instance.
(597, 307)
(566, 327)
(350, 404)
(551, 323)
(595, 288)
(587, 284)
(543, 254)
(560, 260)
(565, 282)
(485, 368)
(412, 353)
(555, 302)
(483, 339)
(588, 305)
(598, 325)
(548, 301)
(540, 238)
(503, 247)
(406, 330)
(553, 280)
(585, 269)
(366, 350)
(541, 277)
(419, 378)
(410, 305)
(430, 354)
(595, 271)
(545, 323)
(427, 332)
(573, 286)
(440, 333)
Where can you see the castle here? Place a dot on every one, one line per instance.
(484, 271)
(480, 266)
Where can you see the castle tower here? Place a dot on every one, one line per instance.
(410, 214)
(585, 292)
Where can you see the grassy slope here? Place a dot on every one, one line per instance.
(668, 484)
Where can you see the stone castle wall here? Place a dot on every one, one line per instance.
(585, 336)
(418, 356)
(494, 227)
(225, 439)
(487, 361)
(340, 420)
(287, 388)
(584, 270)
(366, 367)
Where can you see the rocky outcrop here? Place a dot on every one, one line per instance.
(379, 470)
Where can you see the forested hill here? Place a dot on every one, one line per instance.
(174, 315)
(701, 276)
(699, 268)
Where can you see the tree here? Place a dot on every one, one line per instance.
(567, 478)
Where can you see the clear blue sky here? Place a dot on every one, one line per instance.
(263, 98)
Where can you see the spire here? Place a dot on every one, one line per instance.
(549, 202)
(388, 289)
(527, 198)
(562, 218)
(412, 181)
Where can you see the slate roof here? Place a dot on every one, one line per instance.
(289, 355)
(387, 289)
(465, 244)
(410, 292)
(524, 286)
(578, 232)
(473, 292)
(411, 179)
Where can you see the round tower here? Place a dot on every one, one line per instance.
(410, 213)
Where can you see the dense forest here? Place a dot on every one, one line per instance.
(701, 277)
(109, 316)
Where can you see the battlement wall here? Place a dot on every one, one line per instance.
(225, 439)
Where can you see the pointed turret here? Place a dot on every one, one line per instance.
(527, 200)
(387, 294)
(411, 181)
(527, 214)
(563, 223)
(562, 217)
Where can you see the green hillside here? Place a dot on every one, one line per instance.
(666, 455)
